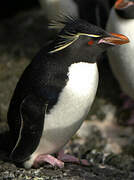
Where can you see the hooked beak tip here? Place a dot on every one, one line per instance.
(119, 39)
(114, 39)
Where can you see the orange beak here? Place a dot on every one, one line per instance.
(114, 39)
(120, 4)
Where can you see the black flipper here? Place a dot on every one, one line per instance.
(31, 128)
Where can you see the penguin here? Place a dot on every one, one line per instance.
(121, 20)
(55, 92)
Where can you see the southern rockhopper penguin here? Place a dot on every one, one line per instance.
(56, 91)
(121, 20)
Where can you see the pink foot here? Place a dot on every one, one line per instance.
(69, 158)
(49, 159)
(59, 162)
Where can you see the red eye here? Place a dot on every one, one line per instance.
(91, 42)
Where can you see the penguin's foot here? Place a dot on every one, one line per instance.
(69, 158)
(49, 159)
(59, 161)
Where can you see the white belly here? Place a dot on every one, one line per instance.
(73, 105)
(121, 58)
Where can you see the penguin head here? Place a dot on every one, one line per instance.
(85, 40)
(125, 8)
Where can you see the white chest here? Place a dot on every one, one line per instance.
(73, 104)
(76, 97)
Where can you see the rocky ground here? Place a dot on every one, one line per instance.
(104, 138)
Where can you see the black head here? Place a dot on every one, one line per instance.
(125, 8)
(84, 41)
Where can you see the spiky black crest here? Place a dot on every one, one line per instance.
(74, 25)
(70, 30)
